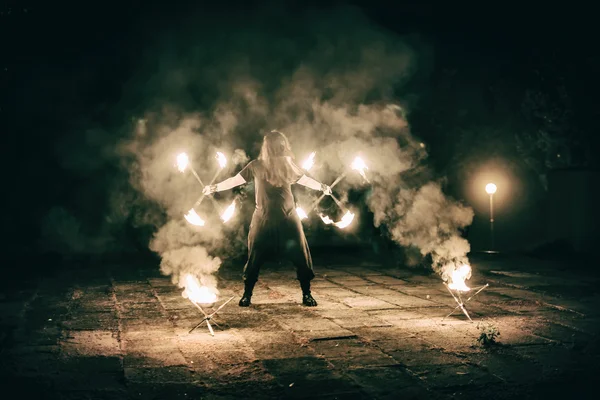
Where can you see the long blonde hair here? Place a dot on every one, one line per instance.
(276, 156)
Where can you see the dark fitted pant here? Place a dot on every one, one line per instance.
(273, 237)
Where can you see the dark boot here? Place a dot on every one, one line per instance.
(307, 298)
(245, 300)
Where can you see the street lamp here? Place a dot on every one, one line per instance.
(490, 188)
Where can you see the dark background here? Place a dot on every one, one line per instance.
(511, 90)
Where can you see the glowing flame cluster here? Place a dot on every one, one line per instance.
(343, 223)
(326, 219)
(309, 162)
(197, 293)
(182, 162)
(221, 159)
(359, 165)
(228, 213)
(458, 277)
(193, 218)
(301, 213)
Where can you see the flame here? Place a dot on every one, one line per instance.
(309, 162)
(359, 165)
(193, 218)
(228, 212)
(182, 162)
(345, 221)
(301, 213)
(326, 219)
(197, 293)
(457, 279)
(221, 159)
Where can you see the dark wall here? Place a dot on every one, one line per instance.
(573, 212)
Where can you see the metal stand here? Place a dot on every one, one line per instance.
(209, 317)
(460, 302)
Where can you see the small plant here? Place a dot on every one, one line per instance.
(489, 334)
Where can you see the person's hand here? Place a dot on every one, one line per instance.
(209, 189)
(326, 189)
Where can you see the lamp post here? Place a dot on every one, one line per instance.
(490, 188)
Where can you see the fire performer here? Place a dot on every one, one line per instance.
(275, 230)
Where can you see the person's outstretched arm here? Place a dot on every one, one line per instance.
(245, 175)
(314, 184)
(227, 184)
(307, 180)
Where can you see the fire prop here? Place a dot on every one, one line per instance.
(193, 218)
(183, 163)
(198, 294)
(457, 285)
(209, 317)
(226, 216)
(309, 162)
(343, 223)
(357, 165)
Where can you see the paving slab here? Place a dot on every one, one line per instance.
(329, 334)
(348, 353)
(367, 303)
(378, 332)
(307, 324)
(406, 301)
(90, 343)
(307, 375)
(92, 321)
(363, 270)
(453, 376)
(419, 360)
(383, 382)
(359, 321)
(386, 280)
(161, 374)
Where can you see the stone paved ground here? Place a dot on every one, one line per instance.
(115, 330)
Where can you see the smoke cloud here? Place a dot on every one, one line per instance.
(184, 248)
(425, 219)
(331, 80)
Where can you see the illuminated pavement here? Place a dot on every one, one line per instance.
(117, 331)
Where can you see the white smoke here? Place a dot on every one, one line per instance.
(425, 219)
(183, 248)
(337, 101)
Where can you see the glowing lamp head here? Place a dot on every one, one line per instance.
(490, 188)
(182, 162)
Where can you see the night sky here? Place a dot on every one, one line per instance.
(488, 80)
